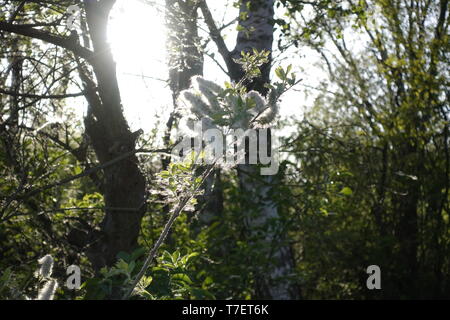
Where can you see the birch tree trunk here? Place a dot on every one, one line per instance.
(262, 218)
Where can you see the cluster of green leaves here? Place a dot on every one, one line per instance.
(366, 181)
(251, 63)
(372, 154)
(180, 181)
(170, 278)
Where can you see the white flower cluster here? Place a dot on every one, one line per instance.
(210, 103)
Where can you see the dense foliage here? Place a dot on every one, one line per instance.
(364, 177)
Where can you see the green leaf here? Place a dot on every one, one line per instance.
(280, 73)
(123, 256)
(346, 191)
(289, 68)
(182, 277)
(146, 281)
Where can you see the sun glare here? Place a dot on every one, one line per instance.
(137, 36)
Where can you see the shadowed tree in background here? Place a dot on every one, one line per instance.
(122, 185)
(185, 60)
(263, 223)
(383, 120)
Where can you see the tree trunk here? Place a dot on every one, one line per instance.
(262, 217)
(124, 184)
(184, 57)
(185, 61)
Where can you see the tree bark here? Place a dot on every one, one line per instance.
(272, 281)
(262, 216)
(185, 60)
(124, 184)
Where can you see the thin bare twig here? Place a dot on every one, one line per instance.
(164, 233)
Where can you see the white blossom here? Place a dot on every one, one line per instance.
(203, 101)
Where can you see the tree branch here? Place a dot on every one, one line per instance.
(16, 12)
(60, 41)
(38, 96)
(217, 37)
(180, 207)
(87, 172)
